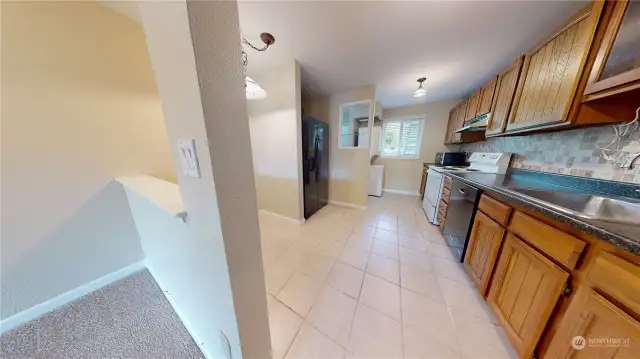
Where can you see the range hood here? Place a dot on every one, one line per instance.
(477, 124)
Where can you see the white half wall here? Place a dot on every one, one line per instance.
(275, 124)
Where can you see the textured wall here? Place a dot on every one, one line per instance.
(275, 124)
(570, 152)
(405, 174)
(79, 107)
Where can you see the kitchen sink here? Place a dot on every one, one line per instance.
(589, 206)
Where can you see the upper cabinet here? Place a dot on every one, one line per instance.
(486, 97)
(505, 91)
(551, 74)
(617, 64)
(472, 107)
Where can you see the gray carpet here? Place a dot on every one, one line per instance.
(127, 319)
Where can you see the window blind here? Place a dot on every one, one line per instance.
(401, 138)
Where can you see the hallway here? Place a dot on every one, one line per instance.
(374, 283)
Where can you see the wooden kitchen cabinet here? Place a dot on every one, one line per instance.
(551, 74)
(451, 126)
(472, 107)
(486, 97)
(592, 317)
(462, 111)
(523, 293)
(505, 91)
(616, 67)
(482, 250)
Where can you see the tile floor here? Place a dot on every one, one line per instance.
(374, 283)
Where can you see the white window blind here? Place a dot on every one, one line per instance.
(401, 137)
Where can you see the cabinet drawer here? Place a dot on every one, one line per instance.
(441, 221)
(562, 247)
(443, 207)
(446, 194)
(447, 182)
(618, 278)
(496, 210)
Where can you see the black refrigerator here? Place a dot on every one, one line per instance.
(315, 164)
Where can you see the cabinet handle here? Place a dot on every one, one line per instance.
(461, 190)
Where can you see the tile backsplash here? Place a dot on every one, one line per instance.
(572, 152)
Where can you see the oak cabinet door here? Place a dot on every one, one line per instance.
(550, 76)
(504, 93)
(451, 126)
(524, 291)
(462, 110)
(482, 250)
(606, 331)
(472, 106)
(486, 96)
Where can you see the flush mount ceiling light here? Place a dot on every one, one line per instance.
(420, 92)
(253, 90)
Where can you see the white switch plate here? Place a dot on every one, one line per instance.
(189, 158)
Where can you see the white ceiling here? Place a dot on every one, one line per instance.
(457, 45)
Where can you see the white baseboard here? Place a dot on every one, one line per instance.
(397, 191)
(187, 324)
(38, 310)
(345, 204)
(298, 222)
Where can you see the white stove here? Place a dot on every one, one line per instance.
(479, 162)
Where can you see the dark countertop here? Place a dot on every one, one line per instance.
(620, 235)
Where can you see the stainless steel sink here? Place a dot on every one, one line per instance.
(589, 206)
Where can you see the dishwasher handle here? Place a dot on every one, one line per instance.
(461, 190)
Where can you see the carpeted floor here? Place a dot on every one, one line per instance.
(127, 319)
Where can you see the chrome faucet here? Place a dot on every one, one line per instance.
(628, 163)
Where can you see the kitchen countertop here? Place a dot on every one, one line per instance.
(621, 235)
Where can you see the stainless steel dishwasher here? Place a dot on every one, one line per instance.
(459, 218)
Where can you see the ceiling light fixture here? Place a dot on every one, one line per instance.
(420, 92)
(253, 90)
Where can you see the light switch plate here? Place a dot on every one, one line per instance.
(189, 158)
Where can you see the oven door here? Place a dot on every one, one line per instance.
(459, 218)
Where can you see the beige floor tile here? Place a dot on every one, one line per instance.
(386, 236)
(333, 314)
(478, 338)
(416, 259)
(449, 269)
(360, 241)
(388, 216)
(309, 262)
(312, 344)
(465, 298)
(430, 317)
(421, 282)
(331, 248)
(420, 344)
(283, 324)
(412, 243)
(364, 230)
(384, 268)
(346, 279)
(300, 293)
(354, 256)
(276, 275)
(433, 234)
(374, 335)
(382, 296)
(439, 250)
(411, 230)
(388, 226)
(386, 249)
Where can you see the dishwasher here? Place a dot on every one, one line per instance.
(459, 218)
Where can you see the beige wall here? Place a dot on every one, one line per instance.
(276, 141)
(79, 107)
(404, 174)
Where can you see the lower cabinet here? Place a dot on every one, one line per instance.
(524, 291)
(482, 250)
(593, 327)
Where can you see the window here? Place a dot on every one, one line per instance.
(401, 137)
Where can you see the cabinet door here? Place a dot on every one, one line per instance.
(486, 96)
(482, 250)
(462, 111)
(505, 92)
(451, 126)
(617, 63)
(550, 76)
(472, 106)
(524, 290)
(606, 331)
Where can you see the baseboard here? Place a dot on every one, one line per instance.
(345, 204)
(187, 324)
(397, 191)
(298, 222)
(54, 303)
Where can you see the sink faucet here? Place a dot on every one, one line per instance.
(628, 163)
